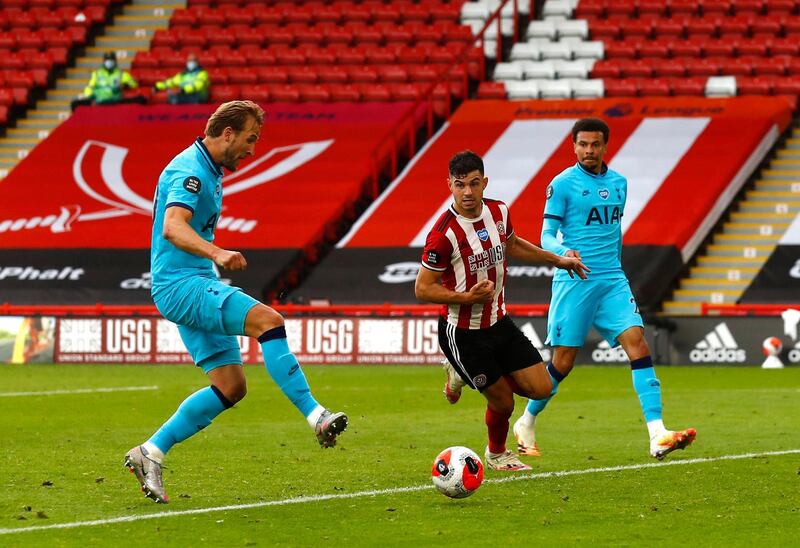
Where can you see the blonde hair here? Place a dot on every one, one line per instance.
(233, 114)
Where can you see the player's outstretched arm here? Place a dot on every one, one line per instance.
(179, 233)
(525, 251)
(428, 289)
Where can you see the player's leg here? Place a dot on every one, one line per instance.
(266, 325)
(572, 308)
(221, 360)
(499, 407)
(471, 353)
(618, 321)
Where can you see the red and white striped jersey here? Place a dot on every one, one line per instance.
(468, 251)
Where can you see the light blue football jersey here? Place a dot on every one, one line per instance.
(589, 207)
(192, 180)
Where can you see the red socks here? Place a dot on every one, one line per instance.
(497, 424)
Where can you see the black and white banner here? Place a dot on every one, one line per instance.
(778, 281)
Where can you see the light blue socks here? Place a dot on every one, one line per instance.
(195, 413)
(282, 366)
(647, 387)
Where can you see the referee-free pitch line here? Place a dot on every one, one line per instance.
(78, 391)
(390, 491)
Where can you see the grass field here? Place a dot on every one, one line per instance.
(61, 462)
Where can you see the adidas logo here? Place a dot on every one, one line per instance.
(603, 353)
(530, 332)
(718, 346)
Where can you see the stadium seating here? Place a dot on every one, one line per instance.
(341, 49)
(38, 38)
(756, 42)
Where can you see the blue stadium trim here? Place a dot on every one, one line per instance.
(207, 155)
(556, 217)
(179, 204)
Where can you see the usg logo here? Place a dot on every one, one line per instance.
(399, 273)
(718, 346)
(533, 336)
(605, 354)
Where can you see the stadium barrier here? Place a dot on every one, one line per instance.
(375, 334)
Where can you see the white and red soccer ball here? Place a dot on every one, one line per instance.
(457, 472)
(772, 346)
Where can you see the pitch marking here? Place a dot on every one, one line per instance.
(78, 391)
(392, 491)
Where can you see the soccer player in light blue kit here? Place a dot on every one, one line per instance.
(585, 203)
(209, 313)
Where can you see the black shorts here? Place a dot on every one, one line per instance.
(482, 356)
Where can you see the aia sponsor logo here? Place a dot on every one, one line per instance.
(718, 346)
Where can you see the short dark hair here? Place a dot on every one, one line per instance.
(233, 114)
(464, 163)
(590, 124)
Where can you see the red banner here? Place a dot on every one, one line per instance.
(90, 183)
(684, 160)
(313, 340)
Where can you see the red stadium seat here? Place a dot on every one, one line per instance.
(620, 88)
(704, 26)
(315, 94)
(272, 75)
(695, 86)
(753, 86)
(723, 47)
(684, 7)
(671, 27)
(258, 93)
(702, 67)
(284, 93)
(344, 93)
(775, 66)
(620, 50)
(716, 7)
(491, 90)
(658, 49)
(787, 86)
(652, 8)
(750, 7)
(320, 56)
(365, 75)
(621, 8)
(332, 75)
(604, 68)
(243, 76)
(588, 9)
(635, 68)
(637, 28)
(783, 7)
(670, 68)
(654, 87)
(785, 46)
(392, 74)
(302, 74)
(404, 92)
(738, 25)
(738, 66)
(375, 93)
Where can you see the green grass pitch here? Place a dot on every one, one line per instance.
(62, 455)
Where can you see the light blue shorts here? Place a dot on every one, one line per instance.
(576, 306)
(209, 315)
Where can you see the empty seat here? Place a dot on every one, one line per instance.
(555, 89)
(588, 50)
(620, 88)
(526, 89)
(721, 86)
(539, 70)
(571, 69)
(525, 51)
(758, 85)
(558, 9)
(541, 29)
(572, 28)
(587, 89)
(694, 86)
(508, 71)
(654, 87)
(491, 90)
(555, 50)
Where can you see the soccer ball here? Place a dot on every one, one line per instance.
(772, 346)
(457, 472)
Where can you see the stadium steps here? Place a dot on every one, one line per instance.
(746, 239)
(129, 32)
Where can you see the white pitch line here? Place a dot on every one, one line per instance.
(391, 491)
(78, 391)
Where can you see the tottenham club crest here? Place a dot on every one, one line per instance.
(501, 228)
(603, 192)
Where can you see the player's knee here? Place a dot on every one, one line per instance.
(541, 390)
(262, 318)
(236, 391)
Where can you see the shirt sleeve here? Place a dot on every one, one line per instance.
(509, 224)
(437, 251)
(184, 191)
(556, 200)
